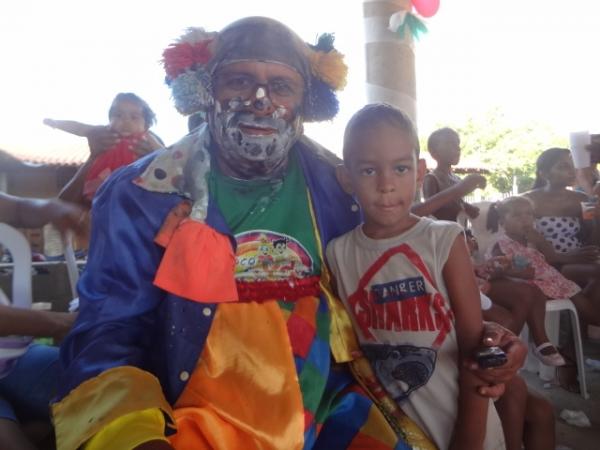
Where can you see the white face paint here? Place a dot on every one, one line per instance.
(260, 93)
(251, 146)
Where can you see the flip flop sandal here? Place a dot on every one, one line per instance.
(554, 359)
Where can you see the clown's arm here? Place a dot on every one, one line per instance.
(106, 380)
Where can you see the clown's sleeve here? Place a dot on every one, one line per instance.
(106, 358)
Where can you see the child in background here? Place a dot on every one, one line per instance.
(514, 302)
(131, 118)
(521, 243)
(444, 147)
(396, 264)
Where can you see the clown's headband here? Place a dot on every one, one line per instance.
(191, 61)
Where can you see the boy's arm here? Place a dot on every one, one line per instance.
(70, 126)
(471, 420)
(435, 199)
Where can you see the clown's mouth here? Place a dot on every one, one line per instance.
(256, 130)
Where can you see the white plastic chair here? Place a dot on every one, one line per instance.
(12, 347)
(71, 261)
(17, 244)
(553, 309)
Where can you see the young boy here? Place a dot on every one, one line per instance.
(444, 147)
(404, 281)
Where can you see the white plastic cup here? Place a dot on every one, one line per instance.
(588, 210)
(578, 140)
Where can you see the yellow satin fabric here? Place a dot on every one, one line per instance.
(129, 431)
(244, 392)
(342, 339)
(99, 401)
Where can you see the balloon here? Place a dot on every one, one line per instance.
(426, 8)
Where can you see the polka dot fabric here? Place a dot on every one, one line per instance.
(561, 231)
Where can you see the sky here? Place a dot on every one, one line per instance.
(533, 59)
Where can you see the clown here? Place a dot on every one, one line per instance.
(176, 346)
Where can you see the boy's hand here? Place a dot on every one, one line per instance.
(494, 378)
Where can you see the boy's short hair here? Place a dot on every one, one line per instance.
(375, 114)
(149, 116)
(435, 137)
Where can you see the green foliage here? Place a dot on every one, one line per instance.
(490, 142)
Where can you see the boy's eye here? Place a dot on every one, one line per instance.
(367, 171)
(402, 169)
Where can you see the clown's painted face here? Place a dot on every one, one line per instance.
(257, 116)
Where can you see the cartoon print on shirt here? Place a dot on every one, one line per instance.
(401, 368)
(263, 255)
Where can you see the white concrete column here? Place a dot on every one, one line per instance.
(390, 59)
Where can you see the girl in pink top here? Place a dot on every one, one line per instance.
(522, 244)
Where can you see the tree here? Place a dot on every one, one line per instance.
(491, 142)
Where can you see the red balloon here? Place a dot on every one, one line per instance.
(426, 8)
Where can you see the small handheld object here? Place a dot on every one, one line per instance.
(488, 357)
(520, 262)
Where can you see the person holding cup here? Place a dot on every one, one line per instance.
(567, 219)
(585, 150)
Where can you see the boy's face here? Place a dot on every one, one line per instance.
(127, 118)
(447, 150)
(383, 173)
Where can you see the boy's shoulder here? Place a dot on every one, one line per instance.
(425, 230)
(428, 229)
(343, 239)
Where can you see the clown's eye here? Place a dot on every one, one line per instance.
(281, 88)
(239, 82)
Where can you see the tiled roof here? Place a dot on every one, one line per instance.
(72, 155)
